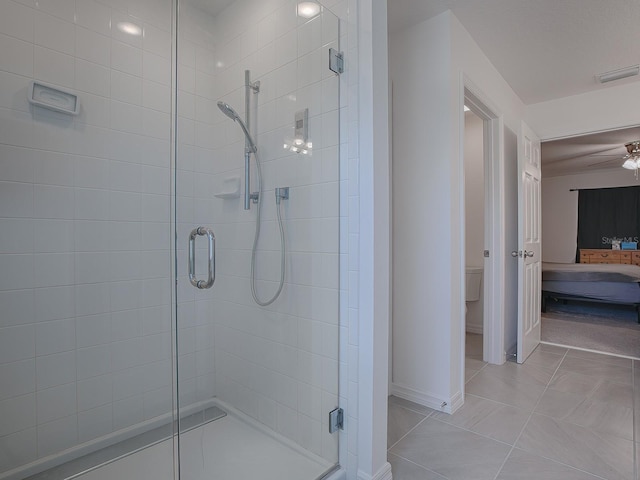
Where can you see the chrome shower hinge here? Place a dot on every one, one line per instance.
(336, 420)
(336, 61)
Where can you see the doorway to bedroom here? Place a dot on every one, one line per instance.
(597, 310)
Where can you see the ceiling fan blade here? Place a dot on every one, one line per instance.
(615, 158)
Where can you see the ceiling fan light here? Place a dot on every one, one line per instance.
(630, 164)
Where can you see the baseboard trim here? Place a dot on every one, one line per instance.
(383, 474)
(422, 398)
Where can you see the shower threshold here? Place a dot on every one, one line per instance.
(124, 448)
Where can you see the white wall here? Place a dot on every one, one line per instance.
(605, 109)
(428, 62)
(560, 209)
(474, 210)
(85, 340)
(474, 189)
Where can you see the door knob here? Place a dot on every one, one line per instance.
(516, 254)
(528, 254)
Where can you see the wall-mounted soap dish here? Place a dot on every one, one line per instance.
(54, 98)
(230, 188)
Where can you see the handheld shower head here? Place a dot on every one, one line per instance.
(231, 113)
(228, 111)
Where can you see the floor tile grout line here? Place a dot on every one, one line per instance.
(418, 465)
(411, 430)
(530, 416)
(594, 475)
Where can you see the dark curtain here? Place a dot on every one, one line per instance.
(605, 214)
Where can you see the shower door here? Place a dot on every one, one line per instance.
(257, 354)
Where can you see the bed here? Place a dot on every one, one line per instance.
(604, 283)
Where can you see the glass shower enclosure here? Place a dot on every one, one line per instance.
(169, 239)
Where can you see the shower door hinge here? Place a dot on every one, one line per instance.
(336, 420)
(336, 61)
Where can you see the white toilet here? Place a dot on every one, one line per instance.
(473, 289)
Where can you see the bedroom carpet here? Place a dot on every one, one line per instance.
(605, 328)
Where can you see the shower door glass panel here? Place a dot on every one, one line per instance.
(257, 369)
(85, 277)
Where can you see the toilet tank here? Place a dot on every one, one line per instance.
(473, 279)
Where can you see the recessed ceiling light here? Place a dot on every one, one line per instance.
(308, 9)
(130, 28)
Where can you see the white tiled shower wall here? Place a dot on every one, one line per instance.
(124, 85)
(278, 364)
(85, 340)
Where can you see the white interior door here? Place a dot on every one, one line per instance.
(529, 239)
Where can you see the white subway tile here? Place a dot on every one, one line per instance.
(16, 200)
(92, 267)
(126, 117)
(92, 78)
(127, 412)
(157, 402)
(17, 307)
(119, 21)
(92, 204)
(125, 295)
(18, 448)
(91, 172)
(93, 330)
(54, 236)
(156, 124)
(54, 33)
(156, 40)
(93, 361)
(16, 56)
(95, 110)
(126, 88)
(94, 392)
(54, 202)
(16, 235)
(16, 164)
(17, 21)
(126, 353)
(54, 269)
(127, 383)
(95, 423)
(156, 96)
(57, 402)
(17, 378)
(92, 299)
(125, 206)
(156, 68)
(56, 369)
(54, 303)
(55, 336)
(18, 413)
(126, 58)
(93, 47)
(57, 435)
(94, 16)
(18, 271)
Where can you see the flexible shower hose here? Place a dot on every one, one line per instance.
(255, 243)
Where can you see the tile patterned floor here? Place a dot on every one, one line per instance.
(563, 415)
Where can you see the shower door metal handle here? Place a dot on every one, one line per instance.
(211, 241)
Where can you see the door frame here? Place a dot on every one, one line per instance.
(494, 265)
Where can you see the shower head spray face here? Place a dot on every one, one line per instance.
(228, 111)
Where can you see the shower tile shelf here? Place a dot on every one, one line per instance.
(230, 188)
